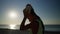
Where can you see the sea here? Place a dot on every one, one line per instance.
(17, 27)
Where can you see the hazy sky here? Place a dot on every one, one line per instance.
(47, 10)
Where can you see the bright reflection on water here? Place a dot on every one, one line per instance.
(12, 26)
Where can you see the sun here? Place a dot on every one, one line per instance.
(12, 14)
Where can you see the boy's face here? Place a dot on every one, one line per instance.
(28, 9)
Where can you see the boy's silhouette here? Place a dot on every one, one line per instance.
(36, 25)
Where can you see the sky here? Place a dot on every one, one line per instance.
(47, 10)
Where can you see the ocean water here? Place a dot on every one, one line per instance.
(17, 27)
(52, 27)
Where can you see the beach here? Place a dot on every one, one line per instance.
(10, 31)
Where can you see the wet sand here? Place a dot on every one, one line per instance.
(9, 31)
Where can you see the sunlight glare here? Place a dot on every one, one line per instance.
(12, 26)
(13, 14)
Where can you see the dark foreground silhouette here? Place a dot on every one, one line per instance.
(36, 26)
(9, 31)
